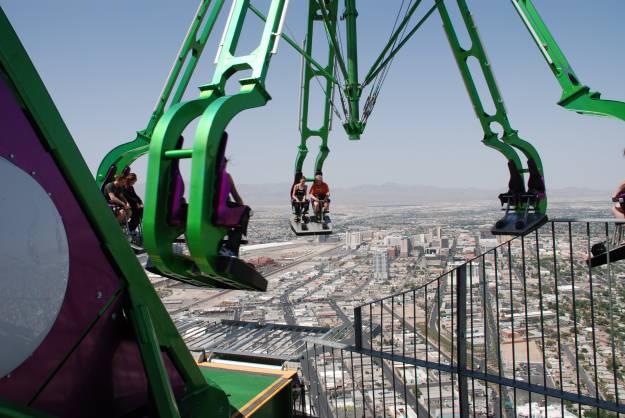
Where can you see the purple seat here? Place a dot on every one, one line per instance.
(227, 214)
(177, 214)
(110, 175)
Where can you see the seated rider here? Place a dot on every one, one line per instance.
(320, 192)
(618, 209)
(298, 198)
(114, 194)
(235, 235)
(136, 204)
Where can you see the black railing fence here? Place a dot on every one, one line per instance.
(526, 329)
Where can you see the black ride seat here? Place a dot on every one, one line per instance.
(513, 222)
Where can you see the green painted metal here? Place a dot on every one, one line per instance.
(297, 48)
(187, 59)
(214, 110)
(309, 75)
(509, 141)
(575, 95)
(158, 380)
(201, 395)
(353, 90)
(241, 386)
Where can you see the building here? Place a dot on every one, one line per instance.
(392, 240)
(380, 263)
(405, 247)
(353, 240)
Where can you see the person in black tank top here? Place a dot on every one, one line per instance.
(299, 198)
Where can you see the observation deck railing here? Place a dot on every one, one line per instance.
(525, 329)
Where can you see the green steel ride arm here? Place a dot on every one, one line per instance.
(125, 154)
(309, 73)
(575, 96)
(215, 110)
(510, 139)
(353, 90)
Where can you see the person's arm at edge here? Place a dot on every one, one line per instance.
(234, 192)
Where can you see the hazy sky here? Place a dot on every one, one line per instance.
(104, 64)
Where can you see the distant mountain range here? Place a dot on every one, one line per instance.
(270, 194)
(400, 194)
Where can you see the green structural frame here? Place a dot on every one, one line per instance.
(147, 314)
(309, 74)
(215, 110)
(575, 95)
(509, 142)
(179, 76)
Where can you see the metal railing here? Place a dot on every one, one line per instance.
(527, 328)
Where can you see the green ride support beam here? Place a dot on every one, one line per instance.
(575, 96)
(309, 74)
(353, 90)
(509, 140)
(190, 53)
(215, 110)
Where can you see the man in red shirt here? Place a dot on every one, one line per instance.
(320, 192)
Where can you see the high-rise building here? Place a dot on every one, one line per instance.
(353, 240)
(380, 263)
(392, 240)
(405, 247)
(444, 242)
(435, 232)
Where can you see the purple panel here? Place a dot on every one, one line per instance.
(114, 371)
(92, 280)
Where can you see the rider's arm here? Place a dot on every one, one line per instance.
(117, 200)
(234, 192)
(293, 197)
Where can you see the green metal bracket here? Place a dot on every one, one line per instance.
(575, 96)
(309, 73)
(162, 393)
(215, 111)
(510, 139)
(190, 52)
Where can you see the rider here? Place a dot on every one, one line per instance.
(298, 198)
(320, 192)
(235, 235)
(114, 194)
(136, 204)
(617, 209)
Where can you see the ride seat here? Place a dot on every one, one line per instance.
(110, 174)
(227, 214)
(515, 186)
(535, 184)
(177, 214)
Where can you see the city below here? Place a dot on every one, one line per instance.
(314, 284)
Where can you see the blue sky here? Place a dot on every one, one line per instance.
(104, 64)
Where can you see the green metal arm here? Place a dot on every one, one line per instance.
(510, 140)
(308, 75)
(215, 111)
(575, 96)
(125, 154)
